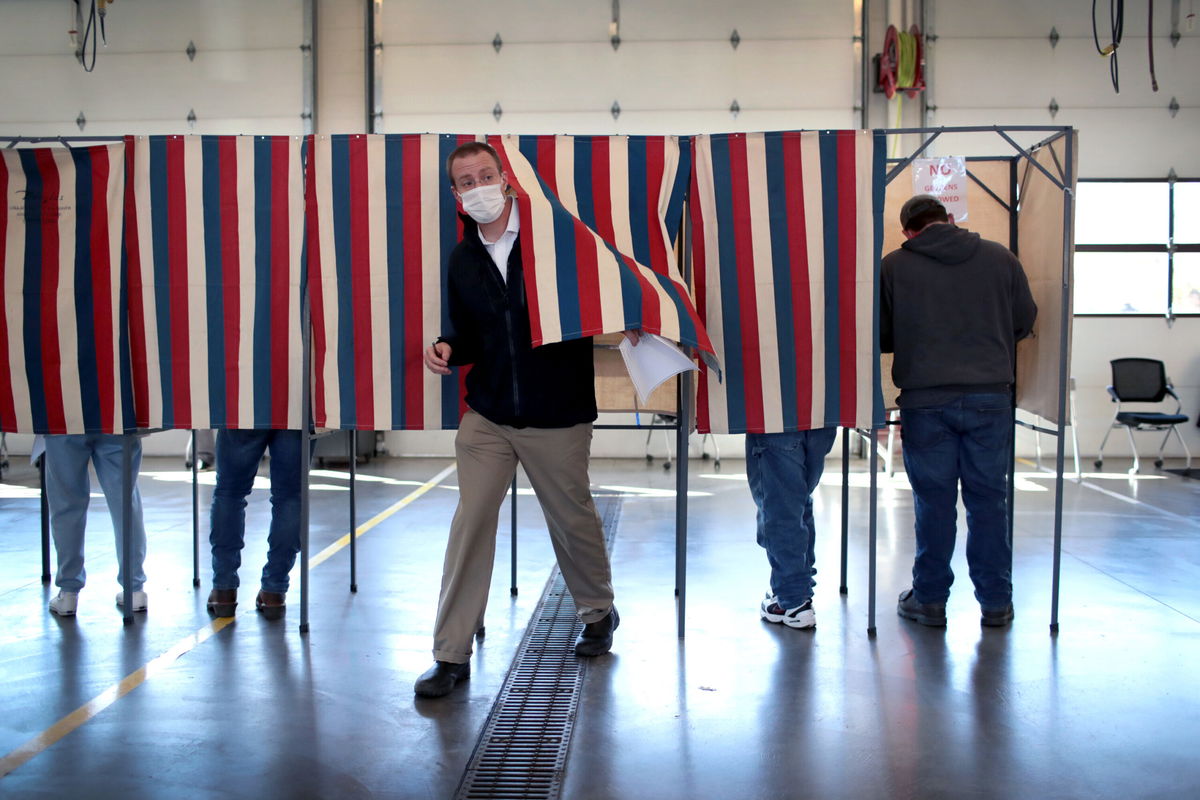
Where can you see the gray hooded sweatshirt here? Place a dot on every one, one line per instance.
(953, 307)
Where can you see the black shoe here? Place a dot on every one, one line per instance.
(222, 602)
(596, 638)
(932, 614)
(997, 617)
(270, 604)
(440, 679)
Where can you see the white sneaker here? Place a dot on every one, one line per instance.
(64, 603)
(801, 616)
(139, 600)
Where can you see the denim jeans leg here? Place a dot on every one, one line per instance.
(108, 458)
(283, 541)
(986, 440)
(782, 470)
(67, 495)
(238, 455)
(931, 461)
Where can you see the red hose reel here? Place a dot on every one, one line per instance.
(890, 67)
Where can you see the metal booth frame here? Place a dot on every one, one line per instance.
(1065, 182)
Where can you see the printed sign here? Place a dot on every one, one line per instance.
(946, 179)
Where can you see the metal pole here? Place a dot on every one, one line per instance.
(308, 96)
(873, 505)
(684, 422)
(923, 15)
(374, 71)
(126, 527)
(512, 505)
(41, 465)
(1014, 243)
(305, 448)
(1065, 310)
(353, 445)
(845, 506)
(195, 513)
(1011, 476)
(864, 63)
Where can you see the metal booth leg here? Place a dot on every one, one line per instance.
(845, 505)
(195, 513)
(683, 423)
(873, 507)
(353, 510)
(126, 527)
(305, 457)
(41, 465)
(512, 504)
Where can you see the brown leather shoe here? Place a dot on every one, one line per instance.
(270, 604)
(596, 638)
(222, 602)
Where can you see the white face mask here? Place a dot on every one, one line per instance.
(484, 204)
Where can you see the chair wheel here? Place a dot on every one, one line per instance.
(1099, 464)
(1158, 463)
(666, 465)
(649, 458)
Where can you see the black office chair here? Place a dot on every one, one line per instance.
(1143, 380)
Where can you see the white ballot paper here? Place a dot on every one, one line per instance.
(653, 361)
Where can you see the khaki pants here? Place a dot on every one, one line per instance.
(556, 462)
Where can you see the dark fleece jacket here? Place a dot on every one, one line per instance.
(953, 307)
(510, 381)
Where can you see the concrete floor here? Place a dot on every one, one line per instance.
(175, 706)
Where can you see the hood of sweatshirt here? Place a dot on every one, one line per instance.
(946, 243)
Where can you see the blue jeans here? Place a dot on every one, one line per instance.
(783, 469)
(964, 441)
(68, 491)
(238, 455)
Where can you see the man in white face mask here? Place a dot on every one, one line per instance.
(533, 406)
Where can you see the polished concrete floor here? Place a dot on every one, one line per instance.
(175, 706)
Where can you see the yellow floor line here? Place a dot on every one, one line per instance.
(97, 704)
(106, 698)
(329, 551)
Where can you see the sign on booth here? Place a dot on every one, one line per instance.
(946, 179)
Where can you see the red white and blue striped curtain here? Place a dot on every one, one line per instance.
(214, 226)
(381, 222)
(599, 219)
(63, 360)
(787, 232)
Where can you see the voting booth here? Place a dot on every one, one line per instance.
(293, 282)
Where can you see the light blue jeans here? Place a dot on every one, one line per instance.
(68, 491)
(783, 469)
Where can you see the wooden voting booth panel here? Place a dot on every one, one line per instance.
(1047, 258)
(986, 216)
(614, 389)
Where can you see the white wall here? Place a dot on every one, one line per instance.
(993, 63)
(1097, 341)
(246, 76)
(674, 72)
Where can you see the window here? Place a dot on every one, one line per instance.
(1137, 247)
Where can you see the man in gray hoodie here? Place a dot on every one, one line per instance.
(953, 307)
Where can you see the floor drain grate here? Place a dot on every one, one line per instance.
(523, 747)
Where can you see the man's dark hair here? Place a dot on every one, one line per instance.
(469, 149)
(921, 211)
